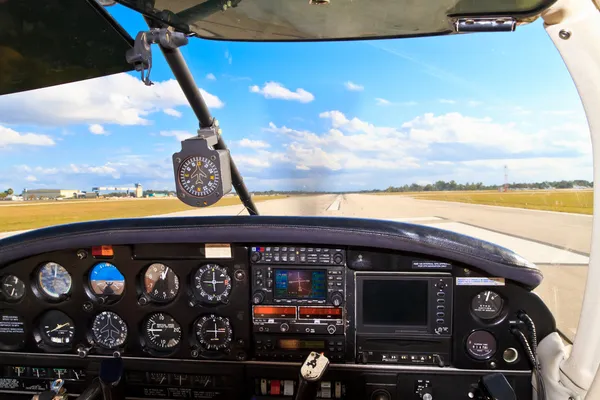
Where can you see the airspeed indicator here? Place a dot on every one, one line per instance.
(199, 176)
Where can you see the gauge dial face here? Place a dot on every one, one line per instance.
(487, 305)
(199, 176)
(12, 330)
(109, 330)
(481, 345)
(106, 280)
(56, 328)
(161, 331)
(158, 378)
(212, 283)
(54, 280)
(12, 288)
(161, 284)
(213, 332)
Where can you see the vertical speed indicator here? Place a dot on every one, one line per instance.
(199, 176)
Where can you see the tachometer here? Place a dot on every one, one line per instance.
(106, 280)
(56, 329)
(199, 176)
(161, 331)
(12, 288)
(161, 284)
(53, 280)
(109, 330)
(487, 305)
(213, 332)
(481, 345)
(212, 284)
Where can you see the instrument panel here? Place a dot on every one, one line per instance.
(272, 304)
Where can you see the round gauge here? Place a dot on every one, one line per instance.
(212, 283)
(12, 288)
(109, 330)
(56, 328)
(12, 330)
(213, 332)
(161, 331)
(481, 345)
(106, 280)
(199, 176)
(160, 283)
(54, 280)
(487, 305)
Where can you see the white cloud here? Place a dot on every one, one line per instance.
(10, 137)
(354, 87)
(179, 135)
(97, 129)
(228, 57)
(253, 144)
(474, 103)
(384, 102)
(172, 112)
(115, 99)
(211, 77)
(30, 178)
(275, 90)
(447, 101)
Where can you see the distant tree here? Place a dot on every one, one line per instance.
(3, 195)
(10, 191)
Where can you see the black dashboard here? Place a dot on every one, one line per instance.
(228, 307)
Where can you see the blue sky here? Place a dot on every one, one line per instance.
(329, 116)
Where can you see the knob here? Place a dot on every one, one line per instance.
(82, 352)
(381, 395)
(255, 256)
(426, 394)
(337, 299)
(258, 297)
(363, 358)
(284, 327)
(338, 258)
(331, 329)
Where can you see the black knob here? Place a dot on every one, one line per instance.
(255, 256)
(338, 258)
(337, 299)
(258, 297)
(363, 358)
(381, 395)
(284, 327)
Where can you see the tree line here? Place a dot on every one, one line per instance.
(7, 192)
(453, 186)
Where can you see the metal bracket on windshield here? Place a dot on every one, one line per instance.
(140, 56)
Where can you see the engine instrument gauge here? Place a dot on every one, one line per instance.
(158, 378)
(109, 330)
(212, 284)
(481, 345)
(12, 288)
(12, 330)
(199, 176)
(53, 280)
(487, 305)
(106, 280)
(161, 332)
(161, 284)
(213, 332)
(56, 329)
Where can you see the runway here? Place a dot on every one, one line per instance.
(558, 243)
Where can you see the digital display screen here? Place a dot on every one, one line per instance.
(274, 312)
(293, 344)
(300, 284)
(320, 312)
(395, 302)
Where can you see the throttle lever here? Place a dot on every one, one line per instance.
(111, 372)
(311, 373)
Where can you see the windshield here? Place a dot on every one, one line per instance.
(478, 134)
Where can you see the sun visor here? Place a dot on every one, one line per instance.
(51, 42)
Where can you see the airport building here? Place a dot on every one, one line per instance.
(51, 193)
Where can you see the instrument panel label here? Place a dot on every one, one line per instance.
(479, 281)
(217, 250)
(431, 265)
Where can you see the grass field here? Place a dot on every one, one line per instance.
(572, 201)
(21, 216)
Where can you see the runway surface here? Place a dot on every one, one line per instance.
(558, 243)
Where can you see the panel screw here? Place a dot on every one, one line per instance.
(142, 301)
(194, 353)
(492, 364)
(87, 306)
(81, 352)
(240, 275)
(178, 159)
(117, 354)
(564, 34)
(82, 254)
(213, 158)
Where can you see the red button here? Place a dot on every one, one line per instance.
(275, 388)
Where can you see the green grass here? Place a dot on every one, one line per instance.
(19, 216)
(571, 201)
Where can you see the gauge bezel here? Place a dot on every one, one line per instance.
(141, 286)
(474, 357)
(217, 181)
(197, 293)
(150, 347)
(39, 291)
(103, 299)
(42, 339)
(207, 351)
(100, 347)
(496, 318)
(5, 296)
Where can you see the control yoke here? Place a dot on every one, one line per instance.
(311, 373)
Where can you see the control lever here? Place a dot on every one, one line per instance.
(111, 372)
(56, 392)
(311, 373)
(495, 387)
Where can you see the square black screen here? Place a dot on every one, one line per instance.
(395, 302)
